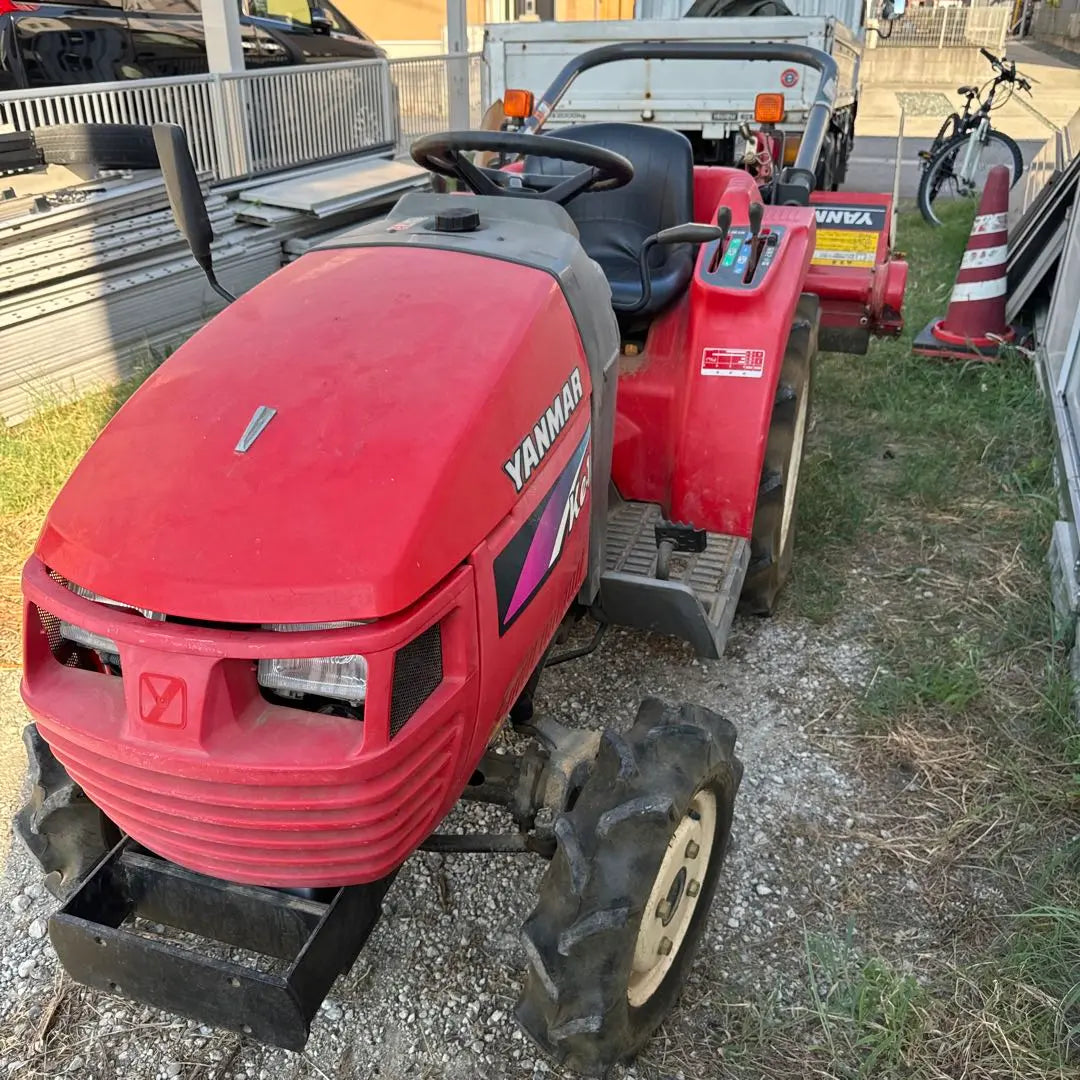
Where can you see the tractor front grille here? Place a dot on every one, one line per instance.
(63, 650)
(418, 672)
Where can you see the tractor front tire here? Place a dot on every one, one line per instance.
(773, 535)
(623, 904)
(59, 825)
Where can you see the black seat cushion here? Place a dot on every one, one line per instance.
(613, 225)
(966, 90)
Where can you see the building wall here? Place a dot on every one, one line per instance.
(418, 21)
(1058, 24)
(405, 20)
(594, 9)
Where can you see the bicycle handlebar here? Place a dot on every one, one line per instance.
(991, 57)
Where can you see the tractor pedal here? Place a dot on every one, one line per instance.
(313, 942)
(694, 596)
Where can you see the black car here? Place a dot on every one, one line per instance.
(47, 44)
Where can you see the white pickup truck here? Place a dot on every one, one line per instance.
(687, 95)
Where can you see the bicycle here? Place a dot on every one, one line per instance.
(967, 146)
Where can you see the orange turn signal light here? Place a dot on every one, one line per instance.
(769, 108)
(518, 104)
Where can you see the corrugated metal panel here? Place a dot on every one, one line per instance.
(102, 282)
(661, 9)
(849, 12)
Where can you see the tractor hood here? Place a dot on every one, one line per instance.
(403, 381)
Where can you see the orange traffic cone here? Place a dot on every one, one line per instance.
(975, 325)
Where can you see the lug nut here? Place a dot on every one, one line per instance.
(693, 888)
(664, 910)
(692, 849)
(664, 948)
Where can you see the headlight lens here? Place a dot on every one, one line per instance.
(343, 678)
(87, 638)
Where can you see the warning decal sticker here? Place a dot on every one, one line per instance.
(847, 235)
(737, 363)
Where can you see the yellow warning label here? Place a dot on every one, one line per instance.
(845, 247)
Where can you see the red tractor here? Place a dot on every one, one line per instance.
(282, 607)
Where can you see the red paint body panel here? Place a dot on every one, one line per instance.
(869, 297)
(508, 660)
(695, 443)
(404, 379)
(363, 492)
(242, 788)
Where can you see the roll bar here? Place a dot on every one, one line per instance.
(796, 182)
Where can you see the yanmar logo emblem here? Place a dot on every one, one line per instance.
(845, 217)
(532, 449)
(850, 217)
(162, 700)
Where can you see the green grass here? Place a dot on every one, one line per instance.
(865, 1015)
(35, 459)
(924, 522)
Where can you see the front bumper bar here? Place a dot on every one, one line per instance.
(317, 939)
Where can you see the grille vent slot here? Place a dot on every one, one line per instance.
(418, 672)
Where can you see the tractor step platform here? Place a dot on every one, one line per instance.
(313, 941)
(695, 601)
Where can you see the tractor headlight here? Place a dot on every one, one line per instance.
(87, 638)
(343, 678)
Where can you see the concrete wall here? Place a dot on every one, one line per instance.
(916, 66)
(1059, 25)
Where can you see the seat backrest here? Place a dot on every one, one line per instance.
(613, 225)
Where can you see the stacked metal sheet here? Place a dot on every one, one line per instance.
(1040, 224)
(96, 281)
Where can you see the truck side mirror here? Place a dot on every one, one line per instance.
(320, 21)
(893, 9)
(186, 199)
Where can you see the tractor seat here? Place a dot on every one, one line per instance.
(967, 91)
(613, 225)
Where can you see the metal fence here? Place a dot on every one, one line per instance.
(1061, 23)
(421, 94)
(258, 121)
(947, 28)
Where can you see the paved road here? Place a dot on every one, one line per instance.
(874, 162)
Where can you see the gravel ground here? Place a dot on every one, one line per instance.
(432, 995)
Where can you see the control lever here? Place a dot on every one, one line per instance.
(756, 213)
(690, 233)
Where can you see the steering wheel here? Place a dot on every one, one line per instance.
(603, 170)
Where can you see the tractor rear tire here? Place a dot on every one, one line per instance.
(623, 904)
(60, 826)
(772, 540)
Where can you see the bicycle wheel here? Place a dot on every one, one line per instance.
(942, 184)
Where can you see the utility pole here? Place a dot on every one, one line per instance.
(457, 66)
(221, 24)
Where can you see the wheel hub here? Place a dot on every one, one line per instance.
(673, 898)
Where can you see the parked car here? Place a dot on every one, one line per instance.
(59, 44)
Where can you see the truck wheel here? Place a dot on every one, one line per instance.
(774, 520)
(60, 826)
(625, 900)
